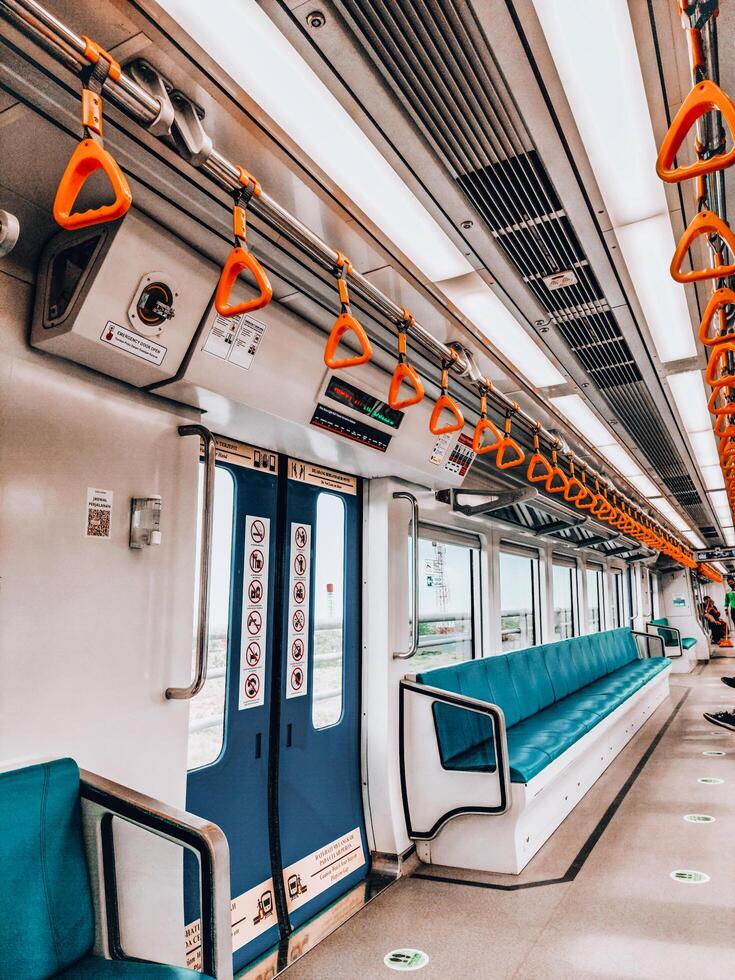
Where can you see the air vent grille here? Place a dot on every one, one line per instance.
(437, 60)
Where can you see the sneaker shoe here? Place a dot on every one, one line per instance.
(725, 719)
(730, 681)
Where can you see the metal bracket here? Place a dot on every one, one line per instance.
(156, 85)
(561, 525)
(598, 539)
(187, 130)
(498, 499)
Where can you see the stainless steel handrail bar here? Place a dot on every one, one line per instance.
(134, 99)
(205, 565)
(411, 652)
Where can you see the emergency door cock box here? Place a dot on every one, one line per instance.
(124, 298)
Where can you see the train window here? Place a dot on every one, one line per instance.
(564, 585)
(207, 713)
(449, 573)
(595, 599)
(618, 606)
(519, 597)
(326, 703)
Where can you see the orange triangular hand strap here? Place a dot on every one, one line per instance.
(536, 475)
(509, 444)
(405, 373)
(718, 363)
(556, 481)
(586, 500)
(704, 223)
(345, 323)
(237, 261)
(576, 490)
(445, 403)
(703, 98)
(485, 425)
(88, 158)
(718, 301)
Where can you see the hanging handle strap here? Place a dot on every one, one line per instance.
(719, 301)
(90, 154)
(556, 481)
(575, 490)
(710, 224)
(344, 324)
(241, 259)
(587, 499)
(485, 427)
(705, 97)
(445, 403)
(509, 444)
(539, 468)
(404, 372)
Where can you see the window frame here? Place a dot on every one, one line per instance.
(599, 572)
(458, 537)
(341, 715)
(509, 547)
(566, 561)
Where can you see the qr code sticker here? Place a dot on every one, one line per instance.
(98, 523)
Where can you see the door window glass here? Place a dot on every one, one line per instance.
(207, 709)
(618, 610)
(447, 575)
(595, 603)
(564, 587)
(326, 703)
(518, 600)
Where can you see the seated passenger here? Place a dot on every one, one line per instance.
(725, 719)
(714, 621)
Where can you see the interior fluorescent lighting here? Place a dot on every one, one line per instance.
(243, 40)
(644, 485)
(576, 409)
(480, 305)
(620, 459)
(729, 534)
(712, 476)
(594, 50)
(694, 539)
(704, 447)
(690, 396)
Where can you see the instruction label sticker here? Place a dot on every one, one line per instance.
(241, 454)
(235, 339)
(99, 513)
(316, 872)
(254, 613)
(461, 457)
(133, 343)
(252, 913)
(440, 449)
(297, 668)
(319, 476)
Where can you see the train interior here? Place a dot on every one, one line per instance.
(367, 475)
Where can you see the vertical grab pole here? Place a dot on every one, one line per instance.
(205, 565)
(411, 652)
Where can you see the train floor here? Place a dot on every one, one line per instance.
(598, 901)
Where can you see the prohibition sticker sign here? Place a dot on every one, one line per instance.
(297, 649)
(257, 531)
(299, 592)
(299, 564)
(255, 591)
(252, 653)
(252, 686)
(300, 537)
(256, 560)
(297, 678)
(298, 620)
(254, 622)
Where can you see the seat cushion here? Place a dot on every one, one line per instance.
(94, 968)
(46, 915)
(688, 642)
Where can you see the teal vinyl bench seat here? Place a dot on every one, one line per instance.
(551, 696)
(672, 635)
(47, 923)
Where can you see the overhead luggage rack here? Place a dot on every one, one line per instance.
(123, 90)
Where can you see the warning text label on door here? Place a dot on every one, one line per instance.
(316, 872)
(253, 913)
(297, 661)
(254, 613)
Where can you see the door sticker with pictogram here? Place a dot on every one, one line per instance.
(297, 668)
(254, 613)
